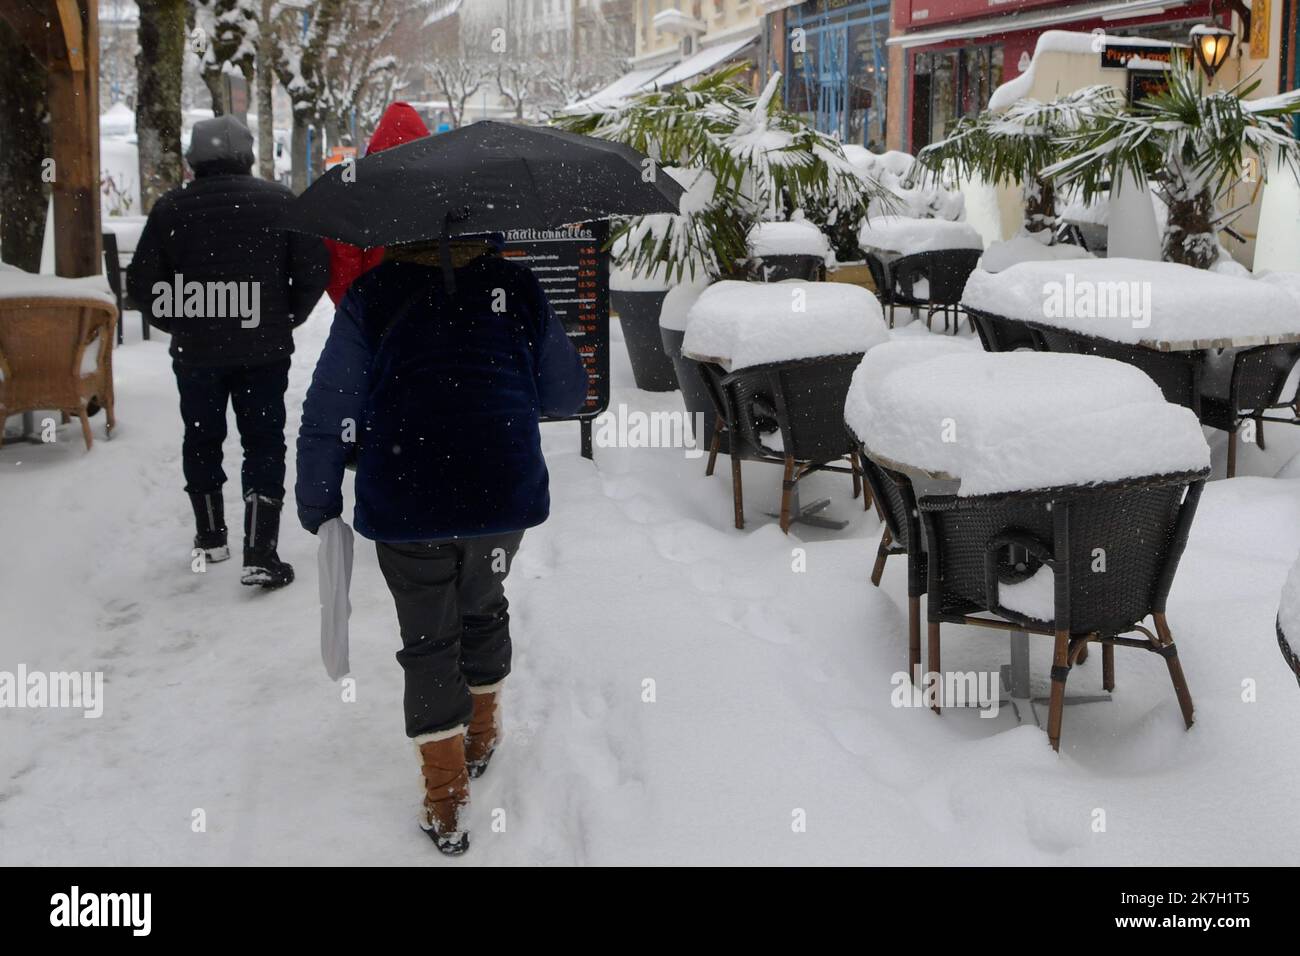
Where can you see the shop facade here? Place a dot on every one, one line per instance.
(948, 56)
(834, 57)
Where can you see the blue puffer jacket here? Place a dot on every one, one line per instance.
(444, 394)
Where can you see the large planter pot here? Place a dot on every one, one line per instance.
(638, 314)
(782, 267)
(694, 394)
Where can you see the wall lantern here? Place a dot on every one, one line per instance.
(1212, 45)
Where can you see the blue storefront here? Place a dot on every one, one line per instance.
(835, 62)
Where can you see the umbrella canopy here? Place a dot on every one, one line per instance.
(486, 177)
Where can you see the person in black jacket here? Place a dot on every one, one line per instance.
(212, 270)
(438, 387)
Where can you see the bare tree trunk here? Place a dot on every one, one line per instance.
(25, 134)
(1189, 237)
(265, 95)
(300, 157)
(158, 100)
(215, 81)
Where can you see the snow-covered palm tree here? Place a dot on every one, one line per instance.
(1014, 146)
(760, 163)
(1191, 145)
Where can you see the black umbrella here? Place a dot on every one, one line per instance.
(486, 177)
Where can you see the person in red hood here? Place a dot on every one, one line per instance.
(399, 124)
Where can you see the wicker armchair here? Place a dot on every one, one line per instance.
(57, 353)
(945, 271)
(1177, 373)
(1000, 334)
(980, 546)
(803, 401)
(1259, 376)
(896, 502)
(884, 284)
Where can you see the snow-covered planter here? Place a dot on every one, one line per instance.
(1017, 421)
(1288, 620)
(906, 236)
(743, 324)
(788, 250)
(638, 301)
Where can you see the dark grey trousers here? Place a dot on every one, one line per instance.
(455, 623)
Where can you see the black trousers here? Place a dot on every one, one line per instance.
(455, 623)
(257, 394)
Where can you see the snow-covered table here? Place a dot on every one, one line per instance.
(980, 424)
(741, 324)
(1161, 306)
(1288, 620)
(901, 236)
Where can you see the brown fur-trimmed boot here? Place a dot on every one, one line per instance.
(446, 789)
(484, 729)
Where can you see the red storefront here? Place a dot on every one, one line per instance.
(952, 54)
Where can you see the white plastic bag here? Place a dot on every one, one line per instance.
(334, 564)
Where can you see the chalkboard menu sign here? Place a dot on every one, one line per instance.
(574, 272)
(1143, 84)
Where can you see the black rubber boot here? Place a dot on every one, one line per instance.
(262, 566)
(210, 526)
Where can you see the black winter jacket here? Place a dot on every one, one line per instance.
(220, 229)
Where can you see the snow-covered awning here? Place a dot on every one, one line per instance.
(629, 84)
(704, 61)
(1029, 20)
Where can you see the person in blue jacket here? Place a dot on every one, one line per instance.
(437, 368)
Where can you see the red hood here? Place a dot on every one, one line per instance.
(399, 124)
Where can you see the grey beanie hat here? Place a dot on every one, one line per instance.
(224, 138)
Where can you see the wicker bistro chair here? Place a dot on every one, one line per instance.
(1177, 373)
(1259, 376)
(1288, 653)
(896, 501)
(44, 344)
(880, 278)
(980, 544)
(945, 271)
(788, 266)
(1000, 334)
(803, 402)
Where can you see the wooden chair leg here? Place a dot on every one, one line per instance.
(882, 554)
(787, 494)
(1060, 670)
(1232, 453)
(857, 474)
(714, 446)
(914, 639)
(1108, 667)
(1082, 655)
(110, 419)
(933, 664)
(737, 493)
(85, 427)
(1170, 654)
(63, 418)
(1259, 433)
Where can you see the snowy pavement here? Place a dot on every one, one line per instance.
(771, 685)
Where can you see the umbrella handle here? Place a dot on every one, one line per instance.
(444, 253)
